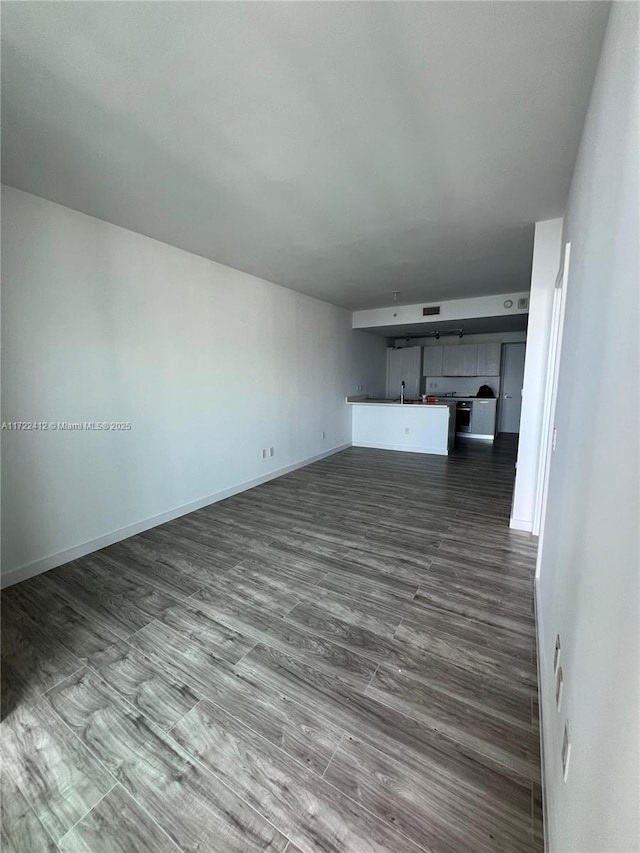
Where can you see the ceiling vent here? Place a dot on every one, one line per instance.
(430, 310)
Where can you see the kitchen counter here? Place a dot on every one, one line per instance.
(404, 405)
(455, 399)
(409, 427)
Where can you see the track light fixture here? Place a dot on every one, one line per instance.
(436, 334)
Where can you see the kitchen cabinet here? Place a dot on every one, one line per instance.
(404, 365)
(432, 361)
(483, 417)
(460, 360)
(489, 359)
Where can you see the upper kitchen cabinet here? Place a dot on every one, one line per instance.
(460, 360)
(432, 361)
(403, 365)
(489, 359)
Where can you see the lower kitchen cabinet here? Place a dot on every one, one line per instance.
(483, 417)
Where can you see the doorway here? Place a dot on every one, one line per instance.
(512, 378)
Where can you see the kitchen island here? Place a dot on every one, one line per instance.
(411, 427)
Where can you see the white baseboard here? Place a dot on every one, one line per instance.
(433, 450)
(542, 682)
(521, 524)
(29, 570)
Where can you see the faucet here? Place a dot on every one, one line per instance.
(402, 391)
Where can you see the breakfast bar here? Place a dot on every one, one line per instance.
(411, 427)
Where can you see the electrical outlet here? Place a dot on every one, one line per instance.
(566, 751)
(406, 430)
(556, 655)
(559, 687)
(271, 451)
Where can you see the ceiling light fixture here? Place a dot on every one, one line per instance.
(436, 334)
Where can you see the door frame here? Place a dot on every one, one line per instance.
(547, 445)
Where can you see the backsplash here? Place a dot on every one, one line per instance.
(462, 385)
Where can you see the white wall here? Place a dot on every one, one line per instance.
(209, 365)
(589, 571)
(544, 270)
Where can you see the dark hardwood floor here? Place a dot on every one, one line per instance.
(339, 660)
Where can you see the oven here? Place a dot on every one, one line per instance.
(463, 416)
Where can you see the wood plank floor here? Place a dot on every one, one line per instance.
(341, 660)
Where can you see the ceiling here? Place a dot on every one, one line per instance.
(344, 150)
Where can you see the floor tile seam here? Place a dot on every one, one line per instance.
(135, 575)
(156, 664)
(417, 679)
(370, 682)
(514, 667)
(360, 603)
(480, 756)
(243, 656)
(368, 811)
(86, 814)
(198, 763)
(203, 696)
(533, 822)
(424, 592)
(293, 651)
(346, 680)
(43, 693)
(437, 767)
(210, 700)
(333, 755)
(78, 605)
(30, 806)
(308, 583)
(138, 630)
(88, 749)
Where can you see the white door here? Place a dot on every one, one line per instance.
(512, 378)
